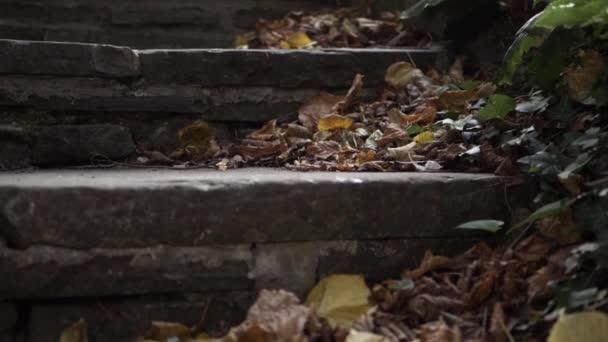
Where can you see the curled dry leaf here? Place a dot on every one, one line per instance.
(429, 263)
(276, 315)
(427, 116)
(456, 72)
(352, 96)
(317, 107)
(403, 153)
(402, 74)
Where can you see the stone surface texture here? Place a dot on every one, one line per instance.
(81, 144)
(142, 208)
(142, 23)
(73, 84)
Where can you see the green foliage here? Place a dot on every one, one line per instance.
(564, 14)
(497, 107)
(491, 226)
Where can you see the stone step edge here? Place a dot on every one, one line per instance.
(45, 272)
(128, 208)
(331, 68)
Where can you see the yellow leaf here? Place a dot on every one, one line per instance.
(284, 45)
(299, 40)
(76, 332)
(424, 138)
(400, 74)
(340, 298)
(334, 121)
(591, 326)
(162, 331)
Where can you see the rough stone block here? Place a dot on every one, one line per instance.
(79, 144)
(49, 272)
(123, 320)
(8, 315)
(142, 208)
(66, 59)
(278, 68)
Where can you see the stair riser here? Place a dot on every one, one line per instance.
(153, 93)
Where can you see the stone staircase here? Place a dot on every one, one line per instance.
(121, 247)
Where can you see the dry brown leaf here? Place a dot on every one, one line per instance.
(352, 96)
(76, 332)
(438, 332)
(366, 156)
(498, 326)
(298, 131)
(334, 121)
(323, 149)
(261, 149)
(580, 80)
(538, 284)
(427, 116)
(267, 132)
(429, 263)
(486, 89)
(457, 100)
(456, 71)
(428, 307)
(401, 74)
(561, 228)
(532, 248)
(482, 289)
(277, 315)
(317, 107)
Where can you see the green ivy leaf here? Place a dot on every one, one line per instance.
(548, 210)
(491, 226)
(497, 107)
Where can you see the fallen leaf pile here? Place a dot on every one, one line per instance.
(326, 29)
(421, 122)
(484, 295)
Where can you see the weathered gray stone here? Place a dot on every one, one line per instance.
(14, 155)
(142, 208)
(237, 104)
(81, 143)
(293, 266)
(123, 320)
(166, 14)
(8, 315)
(279, 68)
(142, 23)
(15, 152)
(66, 59)
(50, 272)
(385, 259)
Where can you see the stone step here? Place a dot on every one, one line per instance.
(135, 208)
(124, 247)
(147, 95)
